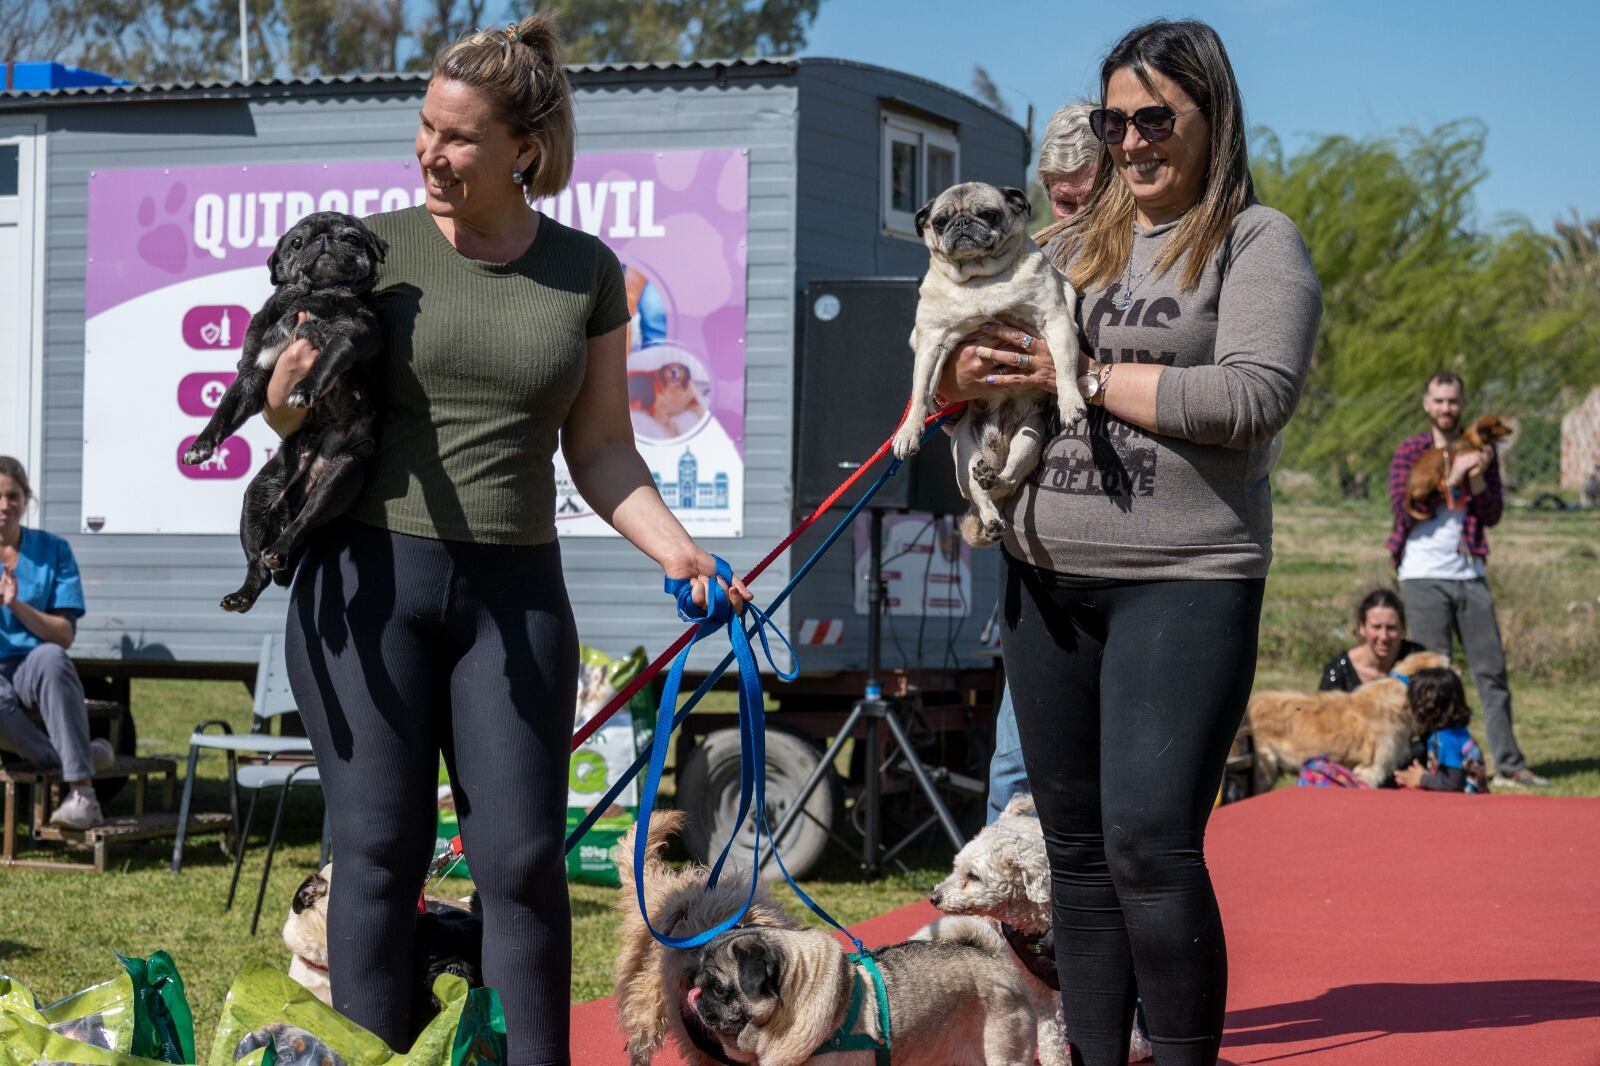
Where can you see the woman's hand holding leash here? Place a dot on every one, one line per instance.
(699, 568)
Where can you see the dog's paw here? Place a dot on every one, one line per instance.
(197, 453)
(273, 559)
(237, 602)
(979, 533)
(908, 441)
(300, 397)
(984, 475)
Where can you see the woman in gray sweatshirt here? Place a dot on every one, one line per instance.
(1139, 548)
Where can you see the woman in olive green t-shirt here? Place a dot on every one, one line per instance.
(433, 618)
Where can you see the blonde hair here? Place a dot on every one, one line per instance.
(1100, 236)
(1069, 144)
(518, 69)
(13, 469)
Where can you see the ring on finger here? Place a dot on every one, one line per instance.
(1024, 360)
(1027, 342)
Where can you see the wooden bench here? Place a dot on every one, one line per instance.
(141, 825)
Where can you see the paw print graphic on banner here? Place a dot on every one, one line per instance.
(164, 244)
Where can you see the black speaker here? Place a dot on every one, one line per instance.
(854, 380)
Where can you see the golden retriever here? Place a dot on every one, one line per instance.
(1368, 730)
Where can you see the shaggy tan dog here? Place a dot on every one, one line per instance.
(1368, 730)
(652, 980)
(1002, 878)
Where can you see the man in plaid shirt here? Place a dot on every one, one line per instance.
(1441, 565)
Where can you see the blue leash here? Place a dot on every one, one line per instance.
(717, 613)
(752, 724)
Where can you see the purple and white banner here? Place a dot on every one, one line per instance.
(678, 221)
(177, 265)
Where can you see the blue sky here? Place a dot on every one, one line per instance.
(1306, 68)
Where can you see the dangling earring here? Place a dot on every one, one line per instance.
(516, 177)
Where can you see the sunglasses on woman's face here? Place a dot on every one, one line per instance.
(1154, 123)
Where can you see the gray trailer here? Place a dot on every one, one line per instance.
(839, 156)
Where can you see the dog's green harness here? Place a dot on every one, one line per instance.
(843, 1039)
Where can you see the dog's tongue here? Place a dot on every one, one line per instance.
(692, 998)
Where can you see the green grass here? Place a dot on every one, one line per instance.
(60, 930)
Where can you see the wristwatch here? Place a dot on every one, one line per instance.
(1092, 386)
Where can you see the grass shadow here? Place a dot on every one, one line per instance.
(1556, 768)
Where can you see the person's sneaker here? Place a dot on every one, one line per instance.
(1523, 778)
(80, 810)
(101, 754)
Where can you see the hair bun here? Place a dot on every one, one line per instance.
(539, 32)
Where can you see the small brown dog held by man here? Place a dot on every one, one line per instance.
(1429, 473)
(1441, 561)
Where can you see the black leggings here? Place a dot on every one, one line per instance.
(1128, 696)
(403, 647)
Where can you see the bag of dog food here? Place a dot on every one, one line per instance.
(270, 1020)
(603, 758)
(141, 1012)
(25, 1042)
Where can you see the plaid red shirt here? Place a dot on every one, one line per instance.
(1483, 510)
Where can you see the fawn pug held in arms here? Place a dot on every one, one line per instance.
(982, 267)
(777, 997)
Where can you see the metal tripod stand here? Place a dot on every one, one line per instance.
(874, 711)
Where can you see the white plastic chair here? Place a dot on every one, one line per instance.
(270, 761)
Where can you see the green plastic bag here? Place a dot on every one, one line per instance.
(163, 1026)
(24, 1042)
(141, 1012)
(270, 1020)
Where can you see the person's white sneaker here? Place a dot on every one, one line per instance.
(80, 810)
(101, 754)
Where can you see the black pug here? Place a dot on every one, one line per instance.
(323, 267)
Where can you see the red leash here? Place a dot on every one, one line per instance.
(621, 699)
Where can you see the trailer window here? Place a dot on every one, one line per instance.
(920, 161)
(8, 169)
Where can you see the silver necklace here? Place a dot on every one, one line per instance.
(1124, 298)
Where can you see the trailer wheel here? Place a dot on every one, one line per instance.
(708, 791)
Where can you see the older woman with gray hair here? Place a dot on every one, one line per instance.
(1068, 158)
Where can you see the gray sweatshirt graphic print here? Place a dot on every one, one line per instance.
(1191, 501)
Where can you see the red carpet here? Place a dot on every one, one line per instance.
(1369, 928)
